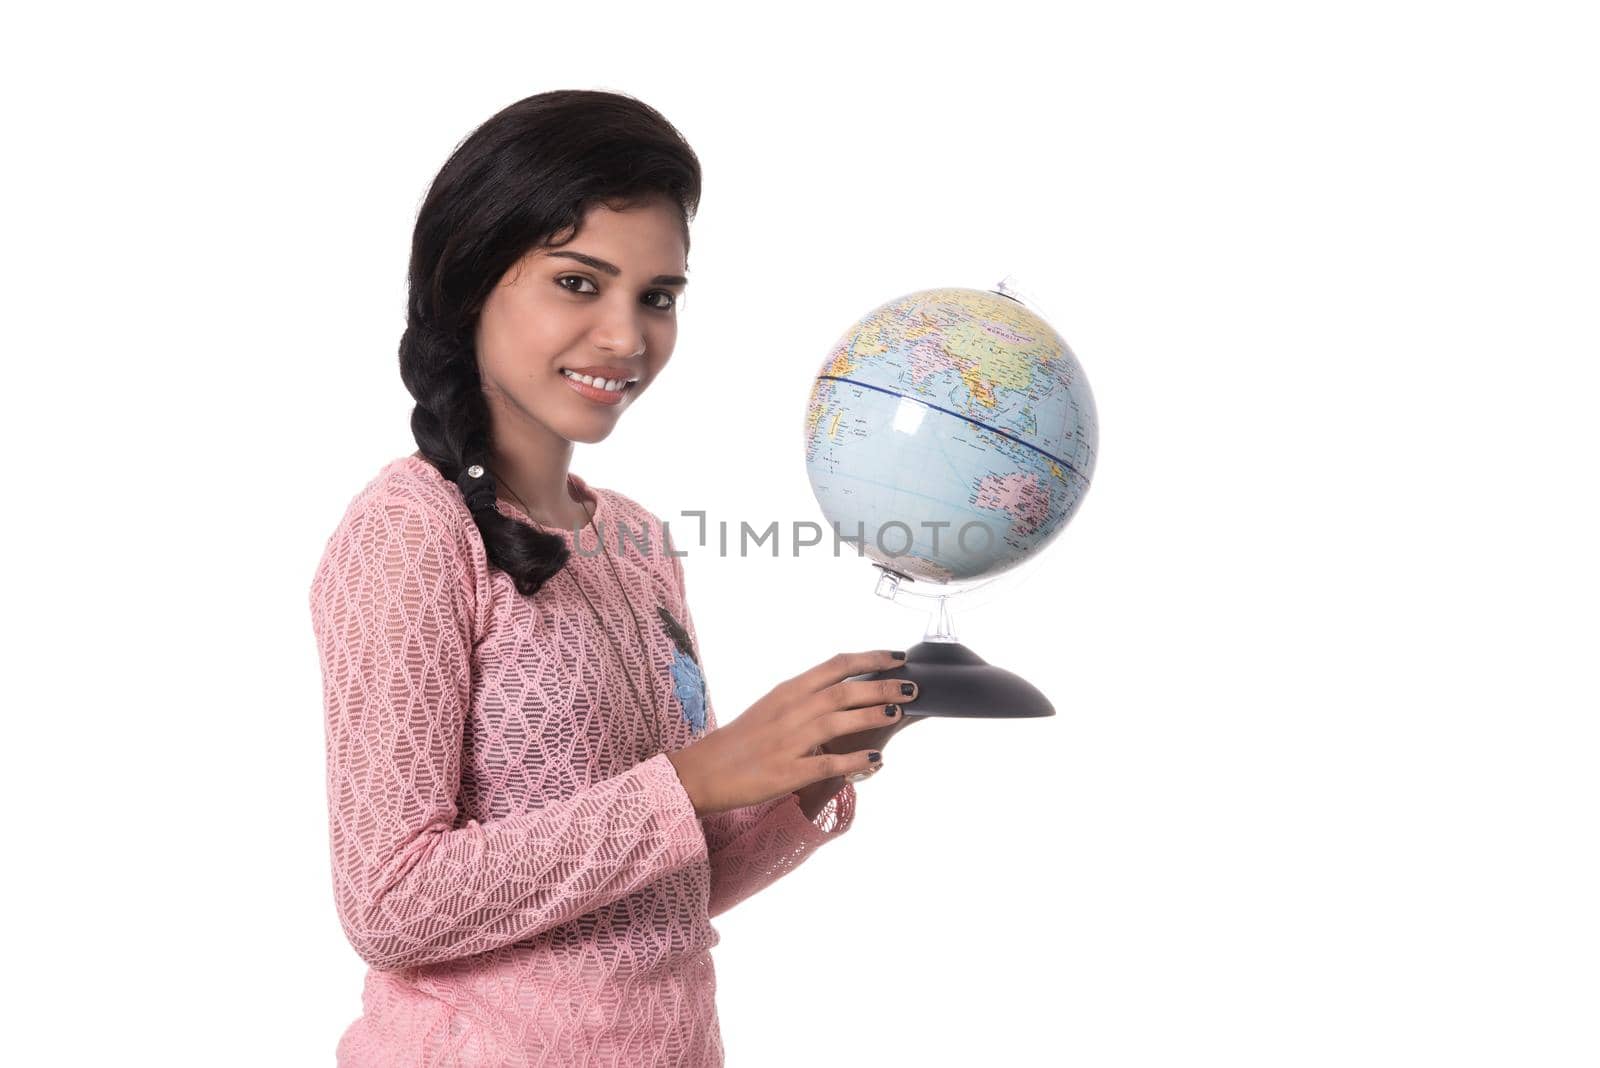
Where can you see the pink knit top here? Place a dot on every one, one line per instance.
(513, 854)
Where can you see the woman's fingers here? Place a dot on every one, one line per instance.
(858, 693)
(852, 767)
(852, 721)
(841, 666)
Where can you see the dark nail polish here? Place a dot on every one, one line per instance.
(906, 688)
(874, 756)
(890, 710)
(898, 654)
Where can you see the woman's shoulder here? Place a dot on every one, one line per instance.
(403, 517)
(410, 479)
(412, 486)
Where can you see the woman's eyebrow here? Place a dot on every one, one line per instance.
(613, 270)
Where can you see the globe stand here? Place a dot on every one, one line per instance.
(951, 679)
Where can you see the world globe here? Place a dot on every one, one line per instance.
(950, 434)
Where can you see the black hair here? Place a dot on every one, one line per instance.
(526, 176)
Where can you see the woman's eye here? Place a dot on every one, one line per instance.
(671, 301)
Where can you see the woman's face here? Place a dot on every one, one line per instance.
(603, 304)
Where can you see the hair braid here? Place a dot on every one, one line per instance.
(450, 422)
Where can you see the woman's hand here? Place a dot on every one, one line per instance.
(875, 739)
(768, 751)
(815, 796)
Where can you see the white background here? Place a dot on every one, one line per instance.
(1321, 789)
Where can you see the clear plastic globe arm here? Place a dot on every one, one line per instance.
(935, 600)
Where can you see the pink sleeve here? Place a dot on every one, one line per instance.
(751, 848)
(391, 606)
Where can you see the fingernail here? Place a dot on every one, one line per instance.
(890, 710)
(874, 756)
(906, 688)
(898, 654)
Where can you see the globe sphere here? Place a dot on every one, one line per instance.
(950, 433)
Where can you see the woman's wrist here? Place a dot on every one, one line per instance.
(684, 766)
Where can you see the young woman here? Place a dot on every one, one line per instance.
(532, 810)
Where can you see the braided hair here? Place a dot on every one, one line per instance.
(520, 181)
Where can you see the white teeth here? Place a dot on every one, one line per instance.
(613, 385)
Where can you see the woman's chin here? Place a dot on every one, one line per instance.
(589, 431)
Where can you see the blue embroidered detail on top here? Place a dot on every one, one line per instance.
(690, 687)
(687, 681)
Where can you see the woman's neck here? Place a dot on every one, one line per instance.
(538, 485)
(546, 501)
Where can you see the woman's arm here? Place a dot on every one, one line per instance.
(391, 605)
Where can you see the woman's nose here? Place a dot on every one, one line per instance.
(620, 333)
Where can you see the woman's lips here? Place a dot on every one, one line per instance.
(594, 393)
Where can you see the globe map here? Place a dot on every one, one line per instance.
(950, 433)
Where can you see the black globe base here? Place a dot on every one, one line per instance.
(952, 680)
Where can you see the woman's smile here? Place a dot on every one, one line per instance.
(597, 389)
